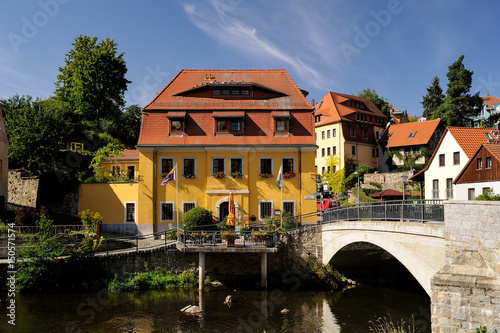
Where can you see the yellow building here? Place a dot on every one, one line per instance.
(347, 126)
(226, 131)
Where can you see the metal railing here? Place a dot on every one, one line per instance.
(219, 238)
(397, 210)
(56, 229)
(135, 243)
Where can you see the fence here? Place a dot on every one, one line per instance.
(56, 229)
(397, 210)
(229, 239)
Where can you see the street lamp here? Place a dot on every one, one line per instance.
(404, 178)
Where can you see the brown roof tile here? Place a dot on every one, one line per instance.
(469, 138)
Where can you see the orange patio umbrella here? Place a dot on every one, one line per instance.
(230, 218)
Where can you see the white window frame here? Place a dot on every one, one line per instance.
(188, 202)
(272, 208)
(272, 164)
(125, 211)
(294, 206)
(189, 158)
(223, 164)
(173, 211)
(242, 165)
(161, 163)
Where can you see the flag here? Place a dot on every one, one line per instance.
(279, 179)
(170, 176)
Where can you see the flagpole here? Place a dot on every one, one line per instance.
(281, 181)
(177, 194)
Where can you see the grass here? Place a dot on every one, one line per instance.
(384, 325)
(154, 279)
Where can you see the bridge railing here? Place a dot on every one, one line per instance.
(397, 210)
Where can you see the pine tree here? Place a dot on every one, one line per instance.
(433, 99)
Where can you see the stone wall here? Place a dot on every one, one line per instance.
(22, 191)
(391, 180)
(466, 291)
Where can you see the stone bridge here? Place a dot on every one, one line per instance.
(456, 262)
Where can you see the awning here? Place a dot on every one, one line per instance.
(229, 114)
(280, 114)
(181, 114)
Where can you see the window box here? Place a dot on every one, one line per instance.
(237, 175)
(265, 175)
(289, 174)
(218, 175)
(189, 175)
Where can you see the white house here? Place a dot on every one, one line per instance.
(456, 147)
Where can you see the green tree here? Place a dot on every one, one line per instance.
(433, 99)
(130, 126)
(196, 216)
(380, 102)
(92, 80)
(39, 132)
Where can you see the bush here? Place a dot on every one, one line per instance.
(152, 279)
(197, 216)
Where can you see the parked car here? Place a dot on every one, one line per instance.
(324, 204)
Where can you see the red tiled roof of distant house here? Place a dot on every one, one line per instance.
(335, 106)
(401, 133)
(492, 147)
(127, 155)
(268, 94)
(489, 100)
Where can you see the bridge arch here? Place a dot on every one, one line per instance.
(416, 251)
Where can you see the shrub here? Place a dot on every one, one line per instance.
(197, 216)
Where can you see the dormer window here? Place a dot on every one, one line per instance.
(176, 122)
(229, 122)
(176, 126)
(281, 125)
(281, 121)
(216, 92)
(412, 135)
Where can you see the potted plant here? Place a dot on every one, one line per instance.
(265, 175)
(229, 237)
(289, 174)
(237, 175)
(259, 235)
(180, 234)
(218, 175)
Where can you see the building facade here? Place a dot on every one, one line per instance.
(347, 126)
(224, 131)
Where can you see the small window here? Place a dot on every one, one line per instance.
(189, 167)
(334, 132)
(435, 189)
(334, 150)
(353, 132)
(218, 165)
(456, 158)
(288, 208)
(235, 92)
(471, 194)
(322, 152)
(479, 163)
(353, 150)
(334, 169)
(280, 125)
(130, 171)
(216, 92)
(130, 212)
(167, 164)
(221, 126)
(265, 209)
(449, 188)
(328, 169)
(322, 170)
(245, 92)
(322, 135)
(328, 134)
(373, 152)
(116, 170)
(289, 166)
(167, 211)
(187, 206)
(266, 165)
(235, 126)
(486, 189)
(236, 165)
(412, 135)
(176, 126)
(488, 162)
(441, 160)
(328, 151)
(226, 92)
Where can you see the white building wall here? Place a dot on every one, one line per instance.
(463, 189)
(447, 147)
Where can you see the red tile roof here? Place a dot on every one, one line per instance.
(333, 107)
(492, 147)
(127, 155)
(400, 136)
(469, 138)
(388, 193)
(489, 100)
(275, 95)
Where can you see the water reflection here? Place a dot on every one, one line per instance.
(251, 311)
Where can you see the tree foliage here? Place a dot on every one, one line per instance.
(92, 80)
(433, 99)
(38, 130)
(380, 102)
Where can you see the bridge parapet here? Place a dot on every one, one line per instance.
(466, 291)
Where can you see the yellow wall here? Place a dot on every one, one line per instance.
(108, 199)
(337, 141)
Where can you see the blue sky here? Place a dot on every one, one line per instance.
(395, 47)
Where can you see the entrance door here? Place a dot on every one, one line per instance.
(223, 211)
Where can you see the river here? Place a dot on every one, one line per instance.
(254, 311)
